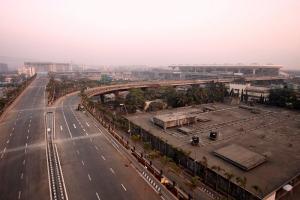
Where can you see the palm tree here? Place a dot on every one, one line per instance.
(229, 176)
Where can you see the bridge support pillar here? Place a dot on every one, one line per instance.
(102, 98)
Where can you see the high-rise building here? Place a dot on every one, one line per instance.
(28, 71)
(48, 66)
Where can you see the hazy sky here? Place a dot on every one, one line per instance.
(152, 32)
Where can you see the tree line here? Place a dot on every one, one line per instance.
(212, 92)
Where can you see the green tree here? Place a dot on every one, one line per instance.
(155, 106)
(283, 98)
(135, 100)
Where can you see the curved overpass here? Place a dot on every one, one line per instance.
(147, 84)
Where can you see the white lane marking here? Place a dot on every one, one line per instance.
(27, 137)
(114, 144)
(61, 128)
(74, 125)
(87, 124)
(21, 177)
(28, 125)
(89, 177)
(66, 121)
(19, 194)
(124, 187)
(10, 135)
(103, 157)
(77, 152)
(3, 152)
(26, 144)
(82, 162)
(96, 148)
(112, 171)
(97, 195)
(13, 128)
(7, 141)
(83, 129)
(28, 130)
(24, 162)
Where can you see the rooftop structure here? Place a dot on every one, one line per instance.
(175, 119)
(240, 156)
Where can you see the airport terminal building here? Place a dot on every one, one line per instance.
(193, 72)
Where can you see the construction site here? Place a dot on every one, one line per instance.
(245, 152)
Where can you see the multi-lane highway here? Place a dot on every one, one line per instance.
(92, 165)
(23, 170)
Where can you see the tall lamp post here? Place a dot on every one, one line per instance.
(129, 130)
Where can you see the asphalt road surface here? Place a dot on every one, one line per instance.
(92, 165)
(23, 170)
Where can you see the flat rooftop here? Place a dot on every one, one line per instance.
(274, 134)
(240, 156)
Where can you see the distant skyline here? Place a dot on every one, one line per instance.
(152, 33)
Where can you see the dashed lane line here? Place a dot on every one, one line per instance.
(112, 171)
(19, 194)
(124, 187)
(103, 157)
(97, 195)
(90, 178)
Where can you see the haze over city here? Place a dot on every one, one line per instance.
(154, 32)
(149, 100)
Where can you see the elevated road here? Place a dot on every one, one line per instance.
(147, 84)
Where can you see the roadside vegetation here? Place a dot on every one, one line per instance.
(58, 87)
(135, 100)
(284, 98)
